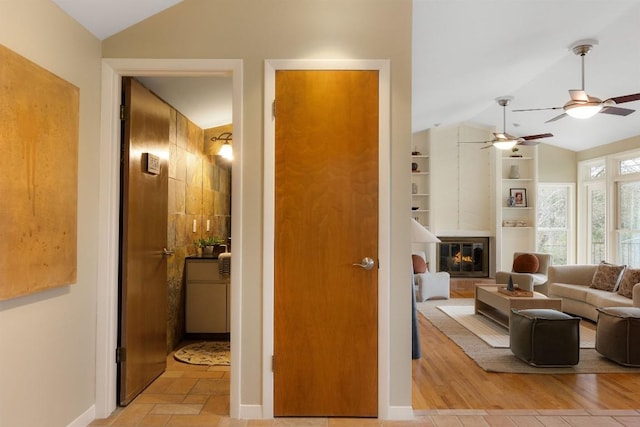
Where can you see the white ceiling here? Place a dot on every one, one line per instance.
(469, 52)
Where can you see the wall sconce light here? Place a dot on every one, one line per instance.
(225, 151)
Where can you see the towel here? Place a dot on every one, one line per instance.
(224, 264)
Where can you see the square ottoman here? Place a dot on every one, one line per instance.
(544, 337)
(618, 334)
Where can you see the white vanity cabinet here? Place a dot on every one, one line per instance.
(207, 297)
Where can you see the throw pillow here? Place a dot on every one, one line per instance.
(606, 277)
(630, 277)
(419, 265)
(525, 263)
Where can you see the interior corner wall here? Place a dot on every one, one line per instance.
(556, 164)
(296, 29)
(621, 146)
(47, 364)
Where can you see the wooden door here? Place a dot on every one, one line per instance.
(326, 219)
(143, 268)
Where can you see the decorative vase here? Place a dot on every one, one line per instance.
(515, 172)
(511, 201)
(414, 188)
(510, 286)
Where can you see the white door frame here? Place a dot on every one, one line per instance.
(108, 221)
(384, 212)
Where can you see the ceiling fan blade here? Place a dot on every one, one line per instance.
(525, 142)
(537, 109)
(578, 95)
(626, 98)
(474, 142)
(542, 135)
(556, 118)
(617, 111)
(509, 136)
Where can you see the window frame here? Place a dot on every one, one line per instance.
(570, 220)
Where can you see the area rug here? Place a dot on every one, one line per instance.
(494, 359)
(494, 334)
(212, 353)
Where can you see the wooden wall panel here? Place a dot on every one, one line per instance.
(39, 119)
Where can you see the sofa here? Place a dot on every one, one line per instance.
(573, 283)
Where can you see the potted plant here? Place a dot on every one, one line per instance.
(211, 245)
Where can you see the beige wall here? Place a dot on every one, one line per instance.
(296, 29)
(47, 362)
(556, 164)
(613, 148)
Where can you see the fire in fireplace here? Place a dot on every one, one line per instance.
(464, 256)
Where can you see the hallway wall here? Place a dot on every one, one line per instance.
(290, 29)
(47, 362)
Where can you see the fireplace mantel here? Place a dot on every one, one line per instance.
(463, 233)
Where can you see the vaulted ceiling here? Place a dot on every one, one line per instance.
(466, 53)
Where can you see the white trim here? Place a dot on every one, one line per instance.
(250, 412)
(107, 296)
(384, 279)
(401, 413)
(85, 418)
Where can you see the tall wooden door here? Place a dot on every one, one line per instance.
(326, 220)
(143, 268)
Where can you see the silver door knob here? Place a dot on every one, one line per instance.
(166, 251)
(366, 263)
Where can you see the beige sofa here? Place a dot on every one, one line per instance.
(571, 283)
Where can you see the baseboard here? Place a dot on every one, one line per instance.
(250, 412)
(85, 419)
(400, 413)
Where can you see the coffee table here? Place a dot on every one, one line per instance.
(497, 306)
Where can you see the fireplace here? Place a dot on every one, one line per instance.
(464, 256)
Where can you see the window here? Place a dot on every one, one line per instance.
(609, 214)
(555, 221)
(629, 166)
(629, 222)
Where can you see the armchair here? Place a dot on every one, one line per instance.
(429, 285)
(536, 281)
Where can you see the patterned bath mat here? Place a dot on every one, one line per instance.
(205, 353)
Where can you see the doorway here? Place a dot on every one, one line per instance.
(108, 223)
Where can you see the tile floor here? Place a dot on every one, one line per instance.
(189, 395)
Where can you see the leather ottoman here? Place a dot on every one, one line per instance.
(618, 334)
(544, 337)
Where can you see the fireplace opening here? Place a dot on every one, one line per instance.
(464, 256)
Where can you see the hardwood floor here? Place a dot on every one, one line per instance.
(445, 378)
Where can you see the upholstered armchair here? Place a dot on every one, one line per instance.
(529, 271)
(426, 284)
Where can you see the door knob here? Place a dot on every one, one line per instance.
(166, 251)
(366, 263)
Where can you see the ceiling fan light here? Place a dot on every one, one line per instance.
(583, 111)
(507, 144)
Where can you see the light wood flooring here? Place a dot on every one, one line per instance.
(449, 389)
(445, 378)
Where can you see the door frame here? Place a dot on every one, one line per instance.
(113, 69)
(384, 215)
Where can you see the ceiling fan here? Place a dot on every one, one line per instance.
(581, 105)
(503, 140)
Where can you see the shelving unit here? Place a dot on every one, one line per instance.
(420, 188)
(515, 225)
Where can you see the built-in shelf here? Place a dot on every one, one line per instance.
(525, 168)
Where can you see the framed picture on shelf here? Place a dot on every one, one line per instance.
(519, 196)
